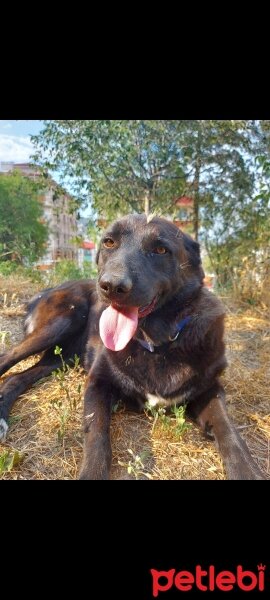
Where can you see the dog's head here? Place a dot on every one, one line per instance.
(143, 263)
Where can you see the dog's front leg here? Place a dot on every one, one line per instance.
(97, 454)
(209, 410)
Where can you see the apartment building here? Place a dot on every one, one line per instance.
(62, 222)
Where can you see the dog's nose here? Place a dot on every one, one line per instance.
(111, 285)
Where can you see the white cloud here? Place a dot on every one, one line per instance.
(15, 148)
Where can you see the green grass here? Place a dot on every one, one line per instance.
(174, 420)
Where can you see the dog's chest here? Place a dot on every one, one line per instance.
(161, 379)
(154, 400)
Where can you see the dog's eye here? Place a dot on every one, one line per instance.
(108, 243)
(160, 250)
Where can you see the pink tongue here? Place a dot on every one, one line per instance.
(117, 328)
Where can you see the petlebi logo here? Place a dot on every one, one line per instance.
(209, 579)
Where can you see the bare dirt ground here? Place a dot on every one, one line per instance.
(45, 437)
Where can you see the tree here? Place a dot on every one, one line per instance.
(121, 165)
(233, 199)
(143, 165)
(139, 165)
(217, 158)
(22, 233)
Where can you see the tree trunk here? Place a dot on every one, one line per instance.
(147, 203)
(196, 216)
(196, 187)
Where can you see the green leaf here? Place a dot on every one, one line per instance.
(10, 459)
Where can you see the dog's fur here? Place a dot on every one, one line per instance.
(142, 262)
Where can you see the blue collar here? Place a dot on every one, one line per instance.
(179, 327)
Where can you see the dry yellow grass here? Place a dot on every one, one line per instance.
(46, 426)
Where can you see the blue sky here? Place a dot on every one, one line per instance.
(15, 139)
(15, 144)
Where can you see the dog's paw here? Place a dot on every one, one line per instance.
(93, 475)
(96, 470)
(3, 430)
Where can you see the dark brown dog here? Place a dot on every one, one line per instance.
(147, 331)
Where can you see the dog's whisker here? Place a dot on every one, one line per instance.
(184, 265)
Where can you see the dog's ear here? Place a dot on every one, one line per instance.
(97, 255)
(193, 249)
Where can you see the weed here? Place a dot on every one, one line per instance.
(10, 459)
(66, 406)
(5, 339)
(159, 414)
(14, 419)
(135, 465)
(180, 425)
